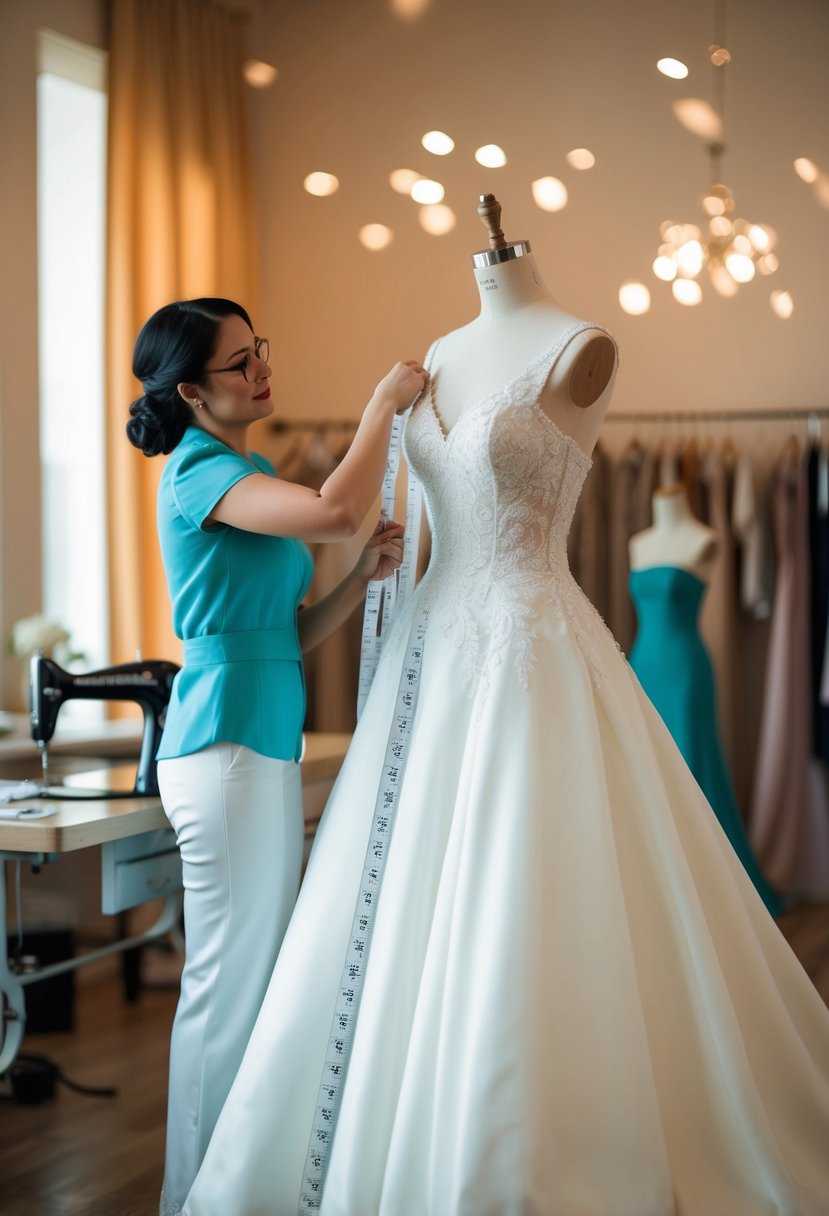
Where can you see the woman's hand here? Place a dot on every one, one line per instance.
(383, 553)
(403, 385)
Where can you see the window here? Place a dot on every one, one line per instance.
(71, 227)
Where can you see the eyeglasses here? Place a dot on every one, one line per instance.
(261, 349)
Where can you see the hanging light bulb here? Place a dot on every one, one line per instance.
(806, 169)
(438, 143)
(782, 303)
(375, 237)
(686, 291)
(740, 267)
(437, 219)
(402, 180)
(580, 158)
(426, 191)
(258, 74)
(733, 250)
(491, 156)
(674, 68)
(664, 268)
(321, 184)
(721, 280)
(549, 193)
(689, 258)
(634, 298)
(763, 238)
(718, 200)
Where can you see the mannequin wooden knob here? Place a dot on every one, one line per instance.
(489, 209)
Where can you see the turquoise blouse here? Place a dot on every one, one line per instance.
(235, 596)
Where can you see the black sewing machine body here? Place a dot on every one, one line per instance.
(149, 683)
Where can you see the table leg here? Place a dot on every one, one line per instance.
(12, 997)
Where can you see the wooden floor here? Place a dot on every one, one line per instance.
(77, 1155)
(84, 1156)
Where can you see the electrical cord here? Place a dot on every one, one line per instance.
(32, 1079)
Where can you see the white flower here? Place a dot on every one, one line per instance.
(33, 633)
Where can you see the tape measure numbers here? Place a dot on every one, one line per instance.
(382, 597)
(381, 601)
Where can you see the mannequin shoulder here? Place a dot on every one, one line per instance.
(456, 346)
(640, 548)
(692, 545)
(708, 546)
(580, 387)
(592, 368)
(586, 368)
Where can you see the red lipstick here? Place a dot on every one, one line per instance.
(263, 396)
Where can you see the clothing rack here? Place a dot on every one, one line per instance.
(792, 415)
(285, 425)
(281, 425)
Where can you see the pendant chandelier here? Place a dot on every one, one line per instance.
(732, 250)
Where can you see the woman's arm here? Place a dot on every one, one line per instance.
(381, 556)
(279, 508)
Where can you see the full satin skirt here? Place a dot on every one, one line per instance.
(576, 1003)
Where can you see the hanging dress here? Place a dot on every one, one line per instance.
(789, 822)
(675, 670)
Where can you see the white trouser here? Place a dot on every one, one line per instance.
(238, 819)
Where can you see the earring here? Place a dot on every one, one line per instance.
(198, 401)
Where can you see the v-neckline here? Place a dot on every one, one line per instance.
(543, 418)
(446, 435)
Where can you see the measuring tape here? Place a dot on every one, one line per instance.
(383, 595)
(381, 599)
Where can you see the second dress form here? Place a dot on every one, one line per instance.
(670, 569)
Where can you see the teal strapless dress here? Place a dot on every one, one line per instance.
(674, 668)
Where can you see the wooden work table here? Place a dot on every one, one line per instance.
(139, 858)
(80, 824)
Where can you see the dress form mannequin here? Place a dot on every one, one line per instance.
(518, 322)
(677, 537)
(671, 565)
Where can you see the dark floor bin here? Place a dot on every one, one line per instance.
(50, 1003)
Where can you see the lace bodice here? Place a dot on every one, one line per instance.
(501, 489)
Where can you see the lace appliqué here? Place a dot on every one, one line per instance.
(539, 473)
(166, 1207)
(501, 490)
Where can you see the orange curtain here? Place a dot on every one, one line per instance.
(180, 225)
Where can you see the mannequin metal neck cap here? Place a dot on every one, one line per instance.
(495, 257)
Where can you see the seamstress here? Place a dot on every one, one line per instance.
(231, 537)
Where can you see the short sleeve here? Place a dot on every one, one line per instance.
(263, 464)
(203, 476)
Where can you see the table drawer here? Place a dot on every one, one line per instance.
(138, 869)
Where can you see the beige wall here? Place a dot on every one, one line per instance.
(359, 87)
(20, 575)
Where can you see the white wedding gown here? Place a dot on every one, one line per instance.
(576, 1003)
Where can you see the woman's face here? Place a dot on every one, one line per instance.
(235, 387)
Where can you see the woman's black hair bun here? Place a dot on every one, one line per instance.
(152, 432)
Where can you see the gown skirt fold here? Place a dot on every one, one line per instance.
(575, 1003)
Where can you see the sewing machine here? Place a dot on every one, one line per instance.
(149, 683)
